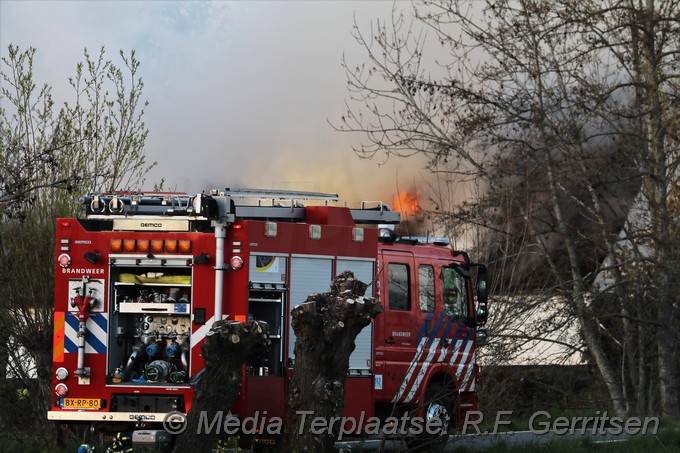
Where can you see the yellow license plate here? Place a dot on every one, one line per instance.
(82, 403)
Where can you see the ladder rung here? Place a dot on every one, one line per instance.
(280, 194)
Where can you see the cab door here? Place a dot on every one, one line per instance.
(396, 332)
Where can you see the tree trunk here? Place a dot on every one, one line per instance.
(642, 384)
(325, 326)
(658, 183)
(584, 314)
(228, 345)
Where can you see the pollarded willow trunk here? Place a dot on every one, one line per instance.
(228, 345)
(325, 326)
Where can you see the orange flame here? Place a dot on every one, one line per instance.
(407, 202)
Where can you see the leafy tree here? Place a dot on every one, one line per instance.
(32, 141)
(49, 155)
(565, 113)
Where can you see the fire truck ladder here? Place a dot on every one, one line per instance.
(274, 194)
(256, 204)
(378, 214)
(271, 203)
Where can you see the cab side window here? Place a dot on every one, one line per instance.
(453, 287)
(426, 288)
(399, 286)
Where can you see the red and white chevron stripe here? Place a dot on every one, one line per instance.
(459, 354)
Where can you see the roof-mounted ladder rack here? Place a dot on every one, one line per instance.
(275, 194)
(103, 206)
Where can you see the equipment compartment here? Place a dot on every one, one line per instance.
(150, 321)
(266, 303)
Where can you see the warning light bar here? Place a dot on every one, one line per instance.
(150, 246)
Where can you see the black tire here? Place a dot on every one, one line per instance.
(439, 403)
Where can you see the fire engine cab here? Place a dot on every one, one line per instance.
(141, 277)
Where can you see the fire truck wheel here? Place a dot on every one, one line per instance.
(438, 406)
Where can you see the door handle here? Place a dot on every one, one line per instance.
(389, 341)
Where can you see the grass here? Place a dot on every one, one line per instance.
(667, 439)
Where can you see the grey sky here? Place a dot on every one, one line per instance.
(239, 92)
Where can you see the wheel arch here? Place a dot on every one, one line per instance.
(443, 375)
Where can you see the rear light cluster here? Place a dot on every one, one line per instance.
(150, 245)
(61, 389)
(236, 262)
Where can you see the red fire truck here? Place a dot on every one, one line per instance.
(141, 277)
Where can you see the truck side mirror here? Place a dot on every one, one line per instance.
(482, 285)
(482, 295)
